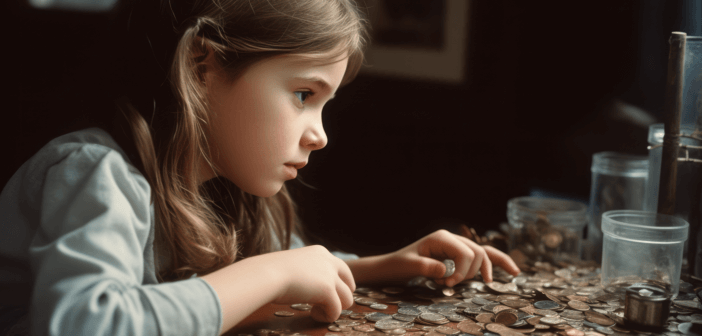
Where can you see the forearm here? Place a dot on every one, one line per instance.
(242, 288)
(376, 270)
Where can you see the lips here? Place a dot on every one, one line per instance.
(296, 165)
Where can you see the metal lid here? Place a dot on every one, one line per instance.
(643, 292)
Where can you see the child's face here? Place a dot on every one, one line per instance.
(260, 125)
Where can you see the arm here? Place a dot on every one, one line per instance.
(87, 256)
(242, 288)
(424, 258)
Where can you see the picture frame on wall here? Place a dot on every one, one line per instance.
(420, 39)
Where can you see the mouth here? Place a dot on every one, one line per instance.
(296, 165)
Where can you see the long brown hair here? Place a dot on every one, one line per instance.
(201, 228)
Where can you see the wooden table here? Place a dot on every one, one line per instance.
(302, 322)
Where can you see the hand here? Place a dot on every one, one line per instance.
(313, 275)
(425, 258)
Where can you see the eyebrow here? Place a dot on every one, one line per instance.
(319, 81)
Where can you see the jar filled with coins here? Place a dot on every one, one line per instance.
(546, 229)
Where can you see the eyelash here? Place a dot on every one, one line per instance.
(299, 97)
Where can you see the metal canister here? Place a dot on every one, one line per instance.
(646, 306)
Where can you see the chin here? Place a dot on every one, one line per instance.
(266, 191)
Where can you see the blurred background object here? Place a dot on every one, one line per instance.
(464, 104)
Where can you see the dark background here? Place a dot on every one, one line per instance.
(406, 156)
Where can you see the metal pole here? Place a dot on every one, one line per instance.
(673, 107)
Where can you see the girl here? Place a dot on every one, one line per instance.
(174, 218)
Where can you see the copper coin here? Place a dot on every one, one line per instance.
(552, 239)
(465, 323)
(574, 332)
(534, 320)
(500, 308)
(542, 326)
(505, 297)
(601, 320)
(577, 298)
(284, 313)
(502, 330)
(516, 304)
(506, 318)
(485, 317)
(446, 330)
(397, 331)
(579, 305)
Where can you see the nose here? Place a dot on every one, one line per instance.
(314, 137)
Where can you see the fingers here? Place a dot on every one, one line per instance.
(443, 244)
(329, 309)
(503, 260)
(346, 275)
(485, 264)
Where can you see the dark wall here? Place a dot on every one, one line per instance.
(405, 157)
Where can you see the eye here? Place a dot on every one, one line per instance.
(303, 95)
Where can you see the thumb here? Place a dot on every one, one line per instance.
(430, 268)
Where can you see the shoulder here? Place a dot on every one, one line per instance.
(79, 151)
(67, 162)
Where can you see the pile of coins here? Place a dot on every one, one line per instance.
(543, 300)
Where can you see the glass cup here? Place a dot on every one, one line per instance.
(641, 247)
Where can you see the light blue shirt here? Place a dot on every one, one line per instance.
(76, 221)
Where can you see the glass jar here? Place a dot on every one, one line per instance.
(546, 229)
(618, 183)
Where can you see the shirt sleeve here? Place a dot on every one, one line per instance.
(87, 257)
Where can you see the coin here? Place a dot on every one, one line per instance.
(546, 304)
(377, 316)
(403, 317)
(450, 267)
(446, 330)
(301, 306)
(365, 301)
(396, 331)
(284, 313)
(551, 320)
(506, 318)
(579, 305)
(364, 328)
(409, 311)
(379, 306)
(502, 287)
(468, 326)
(481, 301)
(485, 317)
(534, 320)
(516, 304)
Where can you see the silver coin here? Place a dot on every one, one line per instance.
(346, 312)
(364, 301)
(455, 317)
(473, 310)
(284, 313)
(450, 267)
(551, 320)
(301, 306)
(481, 301)
(605, 330)
(409, 311)
(402, 304)
(403, 317)
(389, 324)
(377, 316)
(432, 317)
(546, 304)
(379, 306)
